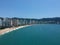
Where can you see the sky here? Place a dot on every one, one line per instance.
(30, 8)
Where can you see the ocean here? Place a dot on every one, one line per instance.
(39, 34)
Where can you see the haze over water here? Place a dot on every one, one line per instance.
(43, 34)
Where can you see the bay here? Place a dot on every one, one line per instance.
(41, 34)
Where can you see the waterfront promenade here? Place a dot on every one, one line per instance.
(10, 24)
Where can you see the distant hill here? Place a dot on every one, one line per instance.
(51, 19)
(55, 20)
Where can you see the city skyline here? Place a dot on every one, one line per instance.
(30, 8)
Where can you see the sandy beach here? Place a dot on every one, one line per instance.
(6, 30)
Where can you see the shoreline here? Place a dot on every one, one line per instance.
(7, 30)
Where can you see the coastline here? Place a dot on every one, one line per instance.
(7, 30)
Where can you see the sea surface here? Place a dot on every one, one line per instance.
(41, 34)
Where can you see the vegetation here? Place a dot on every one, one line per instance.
(14, 22)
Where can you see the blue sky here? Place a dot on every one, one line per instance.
(30, 8)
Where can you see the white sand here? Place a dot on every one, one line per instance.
(4, 31)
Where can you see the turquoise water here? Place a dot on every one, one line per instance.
(43, 34)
